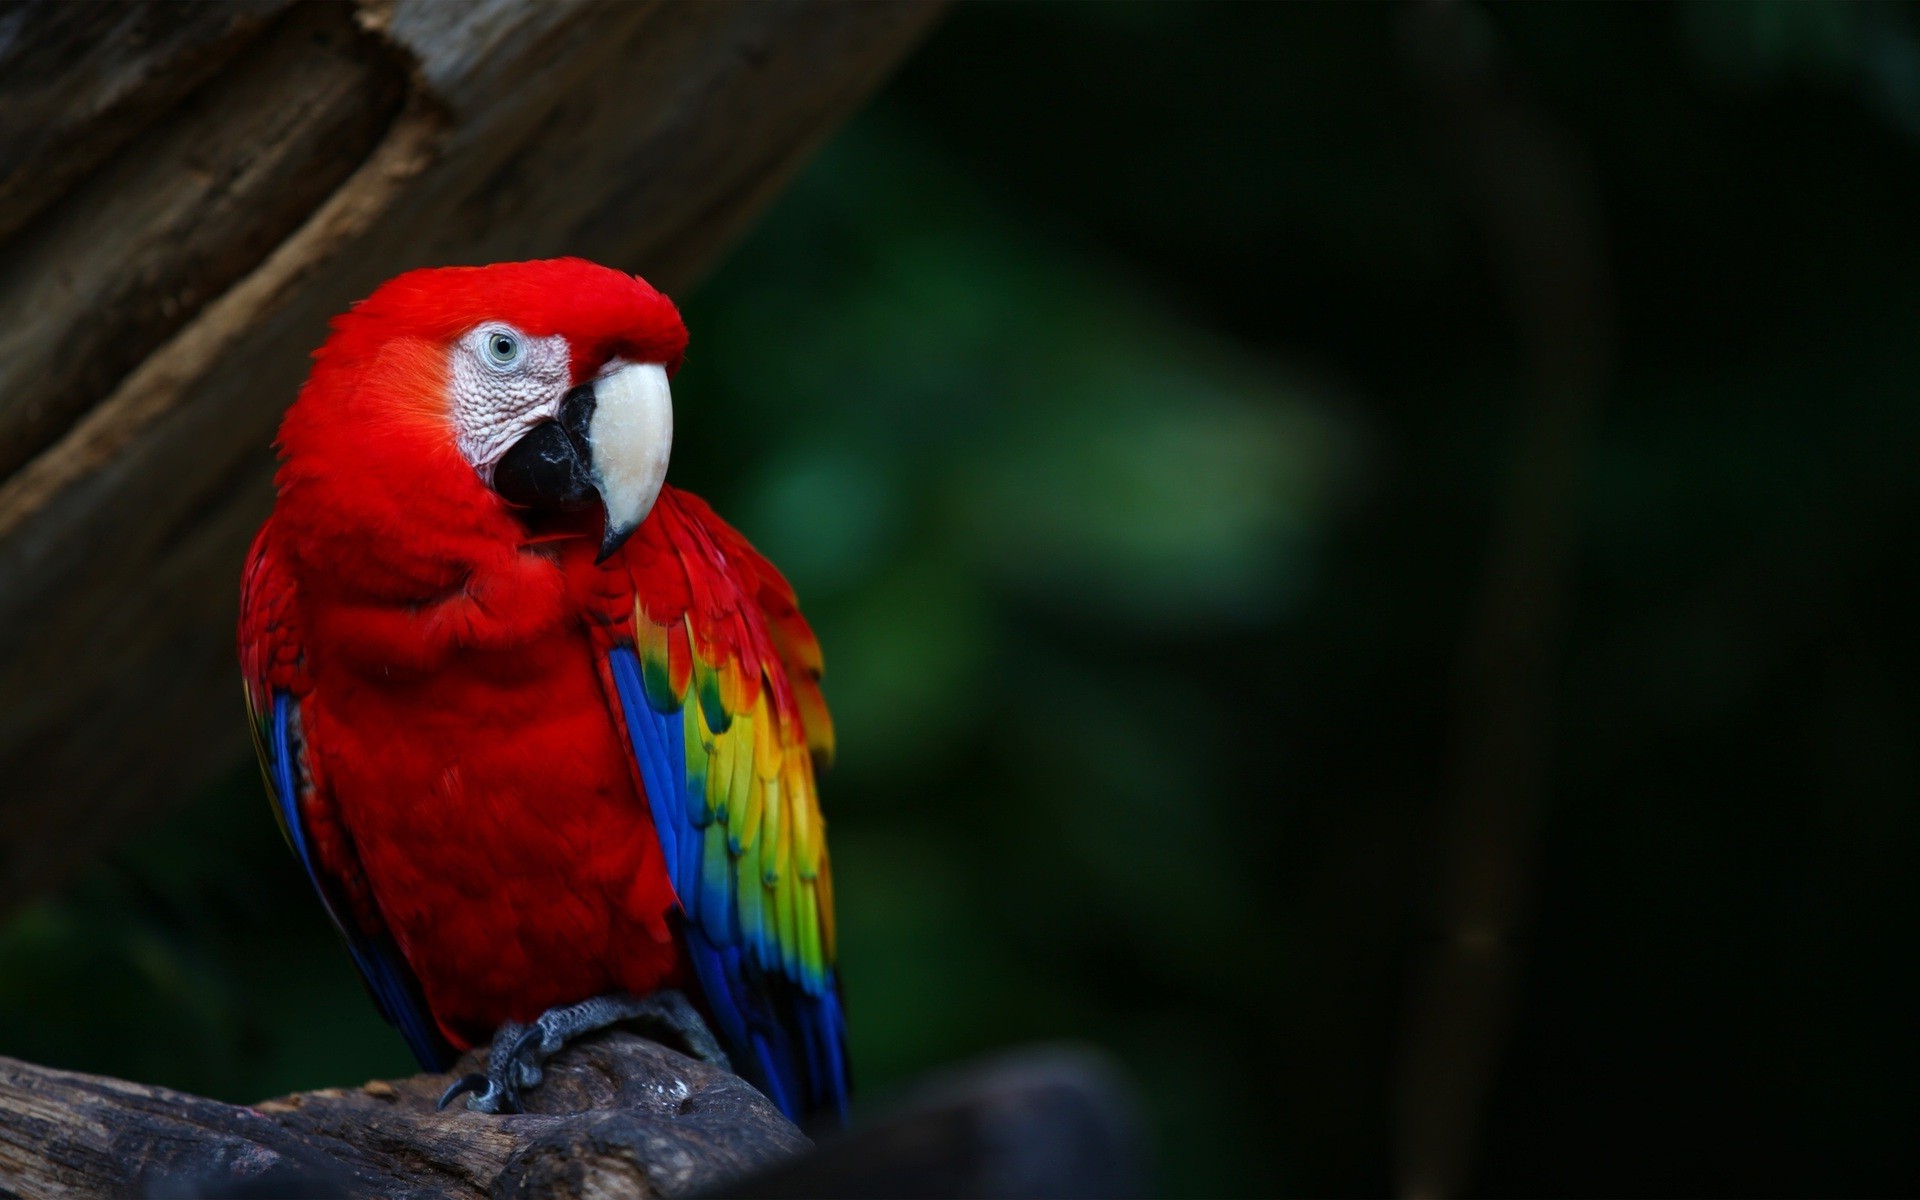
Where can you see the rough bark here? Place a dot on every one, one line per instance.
(188, 192)
(615, 1116)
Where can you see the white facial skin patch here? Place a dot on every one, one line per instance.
(504, 383)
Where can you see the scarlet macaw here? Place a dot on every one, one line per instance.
(541, 728)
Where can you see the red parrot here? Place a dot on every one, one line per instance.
(542, 729)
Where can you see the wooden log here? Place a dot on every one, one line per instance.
(616, 1115)
(324, 148)
(80, 80)
(130, 256)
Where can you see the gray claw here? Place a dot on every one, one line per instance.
(525, 1063)
(508, 1072)
(486, 1095)
(514, 1061)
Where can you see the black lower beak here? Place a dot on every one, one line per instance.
(552, 466)
(544, 470)
(607, 443)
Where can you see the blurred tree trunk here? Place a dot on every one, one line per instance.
(189, 190)
(1528, 185)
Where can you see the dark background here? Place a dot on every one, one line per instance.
(1261, 472)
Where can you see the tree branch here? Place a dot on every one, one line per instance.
(615, 1115)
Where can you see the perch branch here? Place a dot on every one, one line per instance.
(616, 1115)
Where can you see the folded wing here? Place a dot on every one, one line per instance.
(717, 682)
(273, 667)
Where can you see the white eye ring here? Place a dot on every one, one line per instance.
(501, 349)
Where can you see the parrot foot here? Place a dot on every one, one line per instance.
(499, 1089)
(513, 1063)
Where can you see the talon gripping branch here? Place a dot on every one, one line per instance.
(541, 728)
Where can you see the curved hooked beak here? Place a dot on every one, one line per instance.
(611, 438)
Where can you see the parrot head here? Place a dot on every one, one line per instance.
(483, 400)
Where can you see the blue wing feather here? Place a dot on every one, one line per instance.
(760, 1014)
(385, 973)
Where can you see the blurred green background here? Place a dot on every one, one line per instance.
(1136, 395)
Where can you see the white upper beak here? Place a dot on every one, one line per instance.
(631, 435)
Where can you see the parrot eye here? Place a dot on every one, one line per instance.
(502, 382)
(502, 349)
